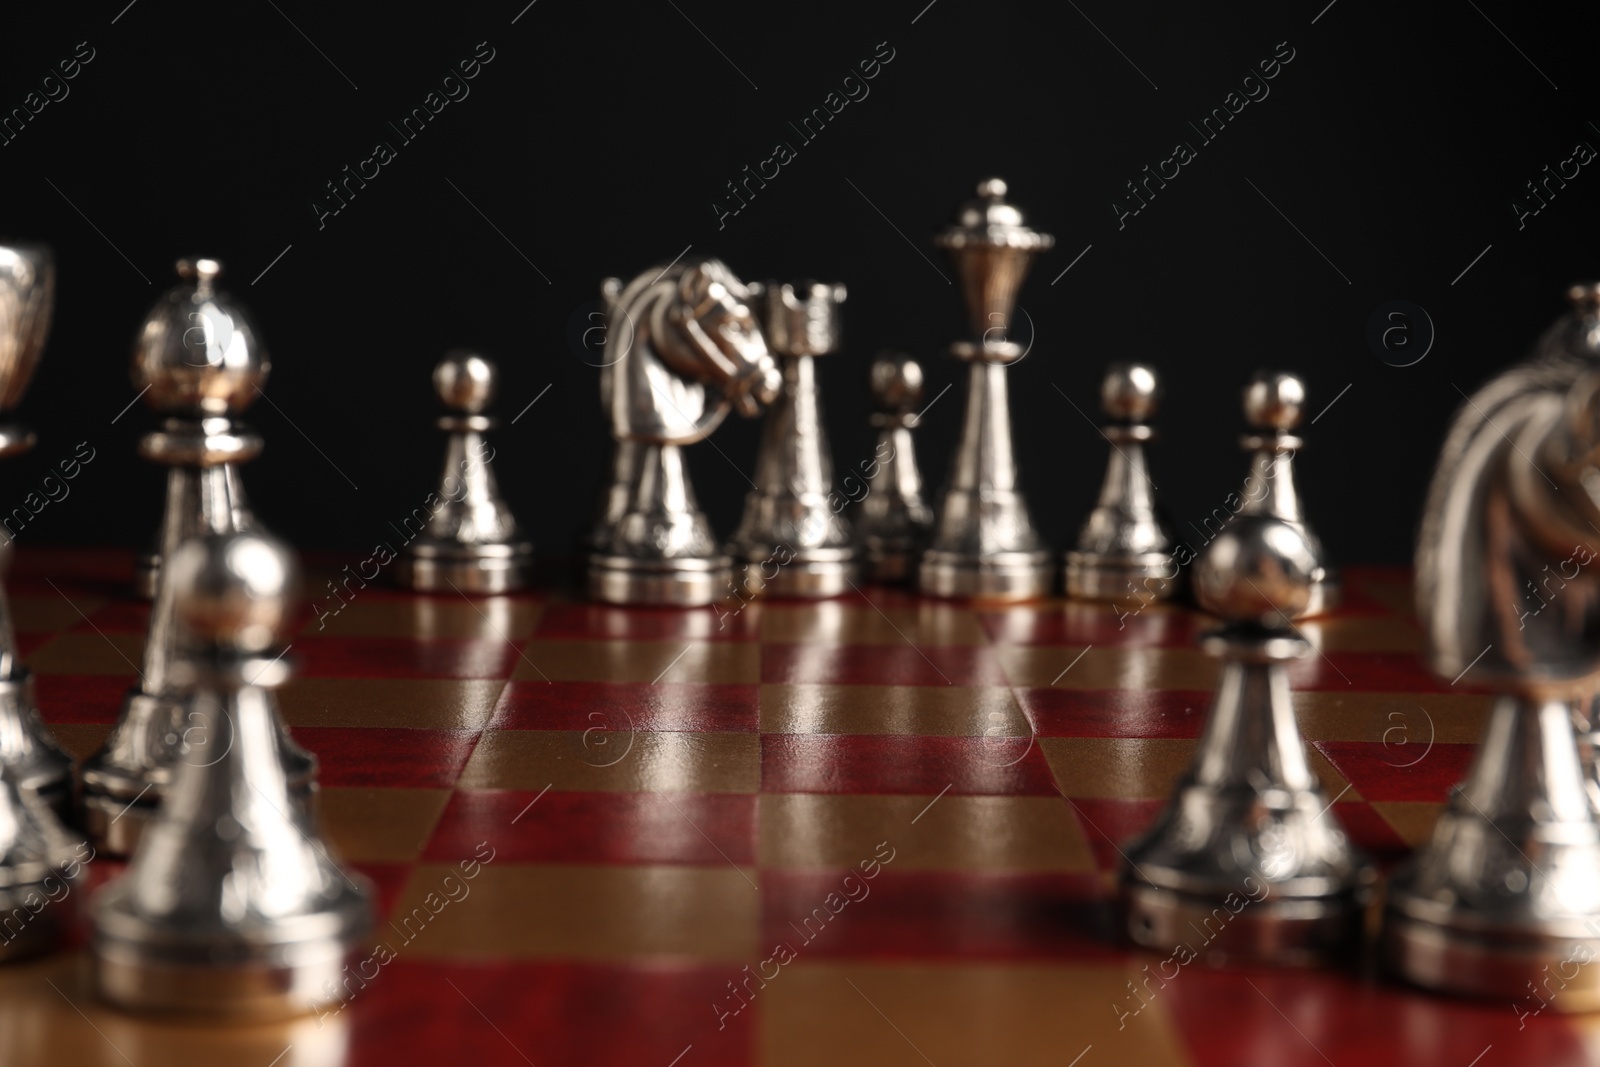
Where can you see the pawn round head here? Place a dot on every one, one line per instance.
(1274, 400)
(198, 353)
(1258, 570)
(464, 381)
(232, 592)
(896, 383)
(1130, 392)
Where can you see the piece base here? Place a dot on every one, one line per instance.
(1097, 576)
(683, 583)
(432, 567)
(1234, 928)
(240, 992)
(806, 575)
(1446, 959)
(1009, 577)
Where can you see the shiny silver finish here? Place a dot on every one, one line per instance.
(1507, 890)
(984, 544)
(1248, 849)
(1125, 548)
(472, 543)
(894, 522)
(198, 354)
(683, 348)
(1274, 405)
(792, 521)
(232, 905)
(39, 860)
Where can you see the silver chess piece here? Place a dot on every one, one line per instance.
(683, 348)
(1274, 405)
(895, 522)
(793, 540)
(984, 544)
(1504, 899)
(1248, 858)
(232, 905)
(199, 362)
(472, 544)
(1125, 546)
(40, 859)
(27, 293)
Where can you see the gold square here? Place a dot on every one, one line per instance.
(933, 710)
(1401, 722)
(1362, 633)
(406, 703)
(1107, 668)
(576, 761)
(988, 833)
(49, 614)
(607, 912)
(90, 652)
(1412, 820)
(1133, 768)
(379, 825)
(81, 740)
(835, 622)
(640, 661)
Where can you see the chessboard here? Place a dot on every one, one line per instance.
(872, 830)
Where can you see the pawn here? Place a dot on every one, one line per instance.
(1124, 548)
(1274, 404)
(1248, 862)
(231, 906)
(40, 859)
(471, 544)
(894, 521)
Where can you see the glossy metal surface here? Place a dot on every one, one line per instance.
(894, 522)
(793, 518)
(1274, 405)
(984, 544)
(198, 355)
(1507, 890)
(232, 906)
(683, 348)
(39, 861)
(1125, 548)
(472, 543)
(1249, 838)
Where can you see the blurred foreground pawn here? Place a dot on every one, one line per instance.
(1504, 900)
(792, 540)
(213, 330)
(231, 906)
(39, 860)
(894, 522)
(198, 361)
(683, 348)
(1248, 862)
(27, 751)
(1124, 548)
(1274, 404)
(984, 545)
(472, 544)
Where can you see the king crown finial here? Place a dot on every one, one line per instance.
(464, 381)
(1274, 401)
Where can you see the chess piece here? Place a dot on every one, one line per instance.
(1504, 899)
(199, 362)
(472, 544)
(683, 348)
(40, 859)
(984, 544)
(27, 751)
(793, 540)
(1248, 859)
(1274, 404)
(895, 521)
(232, 905)
(1124, 547)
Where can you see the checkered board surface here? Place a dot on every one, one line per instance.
(667, 801)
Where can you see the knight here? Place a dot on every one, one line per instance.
(683, 349)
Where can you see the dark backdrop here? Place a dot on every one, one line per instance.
(1385, 160)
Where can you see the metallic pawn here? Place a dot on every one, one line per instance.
(792, 524)
(1504, 900)
(27, 751)
(1124, 546)
(231, 906)
(39, 861)
(1274, 404)
(199, 362)
(472, 544)
(895, 522)
(984, 544)
(210, 328)
(1248, 859)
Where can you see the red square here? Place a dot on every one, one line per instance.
(400, 657)
(399, 759)
(600, 622)
(1120, 624)
(880, 665)
(80, 698)
(899, 763)
(1115, 712)
(665, 706)
(1379, 772)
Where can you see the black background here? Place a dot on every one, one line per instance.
(597, 139)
